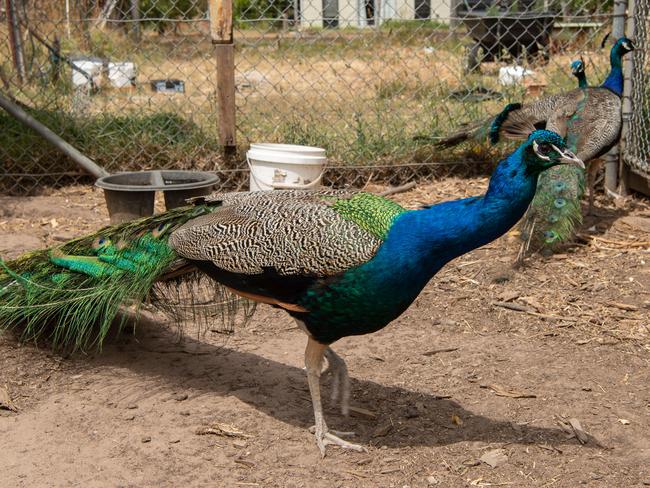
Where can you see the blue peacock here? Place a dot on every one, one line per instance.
(342, 263)
(589, 118)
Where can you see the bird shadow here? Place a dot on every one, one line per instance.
(387, 415)
(602, 219)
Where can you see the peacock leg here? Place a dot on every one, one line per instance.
(340, 379)
(592, 173)
(314, 362)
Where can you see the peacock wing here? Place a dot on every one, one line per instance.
(521, 122)
(597, 127)
(316, 234)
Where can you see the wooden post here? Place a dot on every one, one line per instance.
(16, 40)
(135, 17)
(221, 32)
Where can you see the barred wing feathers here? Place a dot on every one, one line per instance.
(315, 234)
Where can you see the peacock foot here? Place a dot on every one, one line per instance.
(326, 437)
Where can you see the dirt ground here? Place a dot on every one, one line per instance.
(543, 371)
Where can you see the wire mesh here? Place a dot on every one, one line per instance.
(637, 144)
(132, 83)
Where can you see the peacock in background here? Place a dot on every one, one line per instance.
(341, 263)
(590, 120)
(578, 70)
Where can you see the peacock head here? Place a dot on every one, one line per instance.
(577, 67)
(623, 46)
(545, 149)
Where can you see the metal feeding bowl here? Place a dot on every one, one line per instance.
(131, 195)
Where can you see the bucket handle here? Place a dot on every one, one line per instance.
(284, 186)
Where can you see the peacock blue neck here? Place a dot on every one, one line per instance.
(582, 80)
(614, 80)
(417, 245)
(420, 242)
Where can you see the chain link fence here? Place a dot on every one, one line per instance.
(637, 144)
(132, 83)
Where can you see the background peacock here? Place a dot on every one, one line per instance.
(578, 70)
(340, 262)
(589, 118)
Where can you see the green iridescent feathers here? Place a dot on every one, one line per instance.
(372, 213)
(555, 211)
(71, 295)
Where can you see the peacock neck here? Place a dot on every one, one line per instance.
(614, 80)
(582, 81)
(431, 237)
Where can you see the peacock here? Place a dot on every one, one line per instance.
(340, 262)
(589, 118)
(578, 70)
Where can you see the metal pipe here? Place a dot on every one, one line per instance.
(613, 157)
(83, 161)
(626, 111)
(618, 18)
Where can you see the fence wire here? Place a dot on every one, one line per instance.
(132, 83)
(637, 145)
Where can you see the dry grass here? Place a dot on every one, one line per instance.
(362, 97)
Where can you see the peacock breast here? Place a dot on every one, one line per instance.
(366, 298)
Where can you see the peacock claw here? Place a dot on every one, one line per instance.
(341, 433)
(325, 437)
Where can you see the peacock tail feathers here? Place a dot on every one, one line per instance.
(498, 121)
(555, 211)
(71, 294)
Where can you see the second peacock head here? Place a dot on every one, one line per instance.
(577, 67)
(623, 46)
(545, 149)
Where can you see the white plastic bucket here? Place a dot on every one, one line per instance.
(92, 67)
(290, 148)
(121, 75)
(285, 166)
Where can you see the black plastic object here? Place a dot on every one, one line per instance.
(131, 195)
(516, 33)
(168, 86)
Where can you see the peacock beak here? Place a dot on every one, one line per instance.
(567, 157)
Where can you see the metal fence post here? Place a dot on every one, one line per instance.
(221, 16)
(136, 32)
(628, 72)
(613, 157)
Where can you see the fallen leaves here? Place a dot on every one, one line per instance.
(623, 306)
(438, 351)
(494, 458)
(509, 393)
(363, 411)
(224, 430)
(573, 428)
(5, 401)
